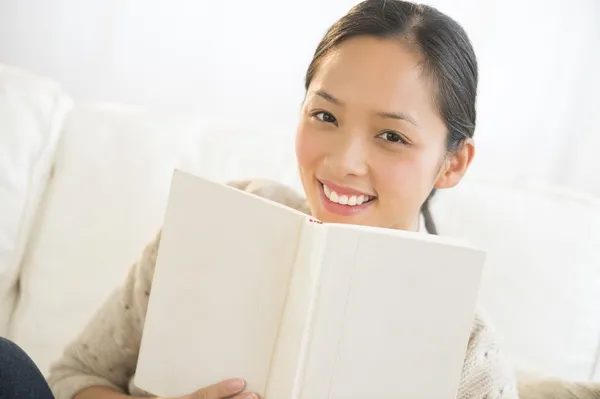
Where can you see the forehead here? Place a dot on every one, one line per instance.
(376, 73)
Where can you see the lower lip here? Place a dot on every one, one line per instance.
(344, 210)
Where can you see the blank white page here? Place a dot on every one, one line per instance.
(394, 316)
(219, 288)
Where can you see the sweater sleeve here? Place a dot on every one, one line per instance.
(105, 353)
(486, 373)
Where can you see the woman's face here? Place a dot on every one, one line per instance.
(370, 143)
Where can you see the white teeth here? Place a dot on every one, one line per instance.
(352, 200)
(334, 197)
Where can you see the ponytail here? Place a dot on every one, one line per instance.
(426, 211)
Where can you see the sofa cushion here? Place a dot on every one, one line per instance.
(32, 110)
(105, 201)
(541, 284)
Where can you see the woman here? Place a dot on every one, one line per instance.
(388, 117)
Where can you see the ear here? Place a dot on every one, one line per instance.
(456, 165)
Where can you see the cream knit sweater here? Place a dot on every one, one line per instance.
(105, 353)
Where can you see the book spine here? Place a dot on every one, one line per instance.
(289, 358)
(316, 272)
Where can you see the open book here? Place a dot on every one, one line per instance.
(245, 287)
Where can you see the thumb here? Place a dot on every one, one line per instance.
(220, 390)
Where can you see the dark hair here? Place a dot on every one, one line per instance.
(448, 59)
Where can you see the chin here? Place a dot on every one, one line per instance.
(328, 217)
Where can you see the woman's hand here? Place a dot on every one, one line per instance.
(228, 389)
(223, 390)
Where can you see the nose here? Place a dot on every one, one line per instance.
(348, 156)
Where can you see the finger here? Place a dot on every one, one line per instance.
(246, 396)
(221, 390)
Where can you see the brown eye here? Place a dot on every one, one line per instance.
(392, 137)
(325, 116)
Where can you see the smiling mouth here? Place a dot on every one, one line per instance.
(346, 199)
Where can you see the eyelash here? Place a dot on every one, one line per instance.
(325, 113)
(399, 138)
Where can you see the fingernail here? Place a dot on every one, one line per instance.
(236, 385)
(250, 396)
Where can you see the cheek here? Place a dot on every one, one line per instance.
(307, 148)
(405, 179)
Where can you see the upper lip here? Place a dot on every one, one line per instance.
(343, 190)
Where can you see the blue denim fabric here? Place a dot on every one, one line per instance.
(19, 376)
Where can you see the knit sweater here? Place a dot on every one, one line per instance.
(106, 352)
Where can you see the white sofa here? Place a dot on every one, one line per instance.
(83, 187)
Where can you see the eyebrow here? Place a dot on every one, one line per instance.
(398, 116)
(328, 97)
(388, 115)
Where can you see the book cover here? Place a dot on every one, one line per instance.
(246, 287)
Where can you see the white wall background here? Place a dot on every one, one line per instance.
(243, 62)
